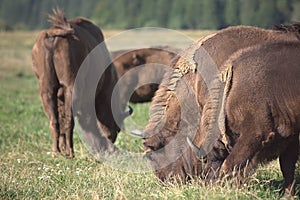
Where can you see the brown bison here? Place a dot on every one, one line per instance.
(165, 119)
(262, 109)
(56, 58)
(151, 60)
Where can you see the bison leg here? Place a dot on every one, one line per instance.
(49, 100)
(69, 123)
(287, 160)
(241, 156)
(61, 116)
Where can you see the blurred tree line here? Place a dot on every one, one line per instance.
(176, 14)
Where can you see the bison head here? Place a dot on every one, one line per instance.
(168, 152)
(163, 138)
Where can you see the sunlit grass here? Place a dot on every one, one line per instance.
(28, 170)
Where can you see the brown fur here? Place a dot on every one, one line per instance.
(147, 58)
(262, 108)
(220, 47)
(56, 57)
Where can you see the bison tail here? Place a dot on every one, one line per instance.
(60, 24)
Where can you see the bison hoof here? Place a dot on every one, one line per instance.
(289, 193)
(54, 154)
(69, 153)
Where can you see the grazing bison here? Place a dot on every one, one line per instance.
(262, 109)
(165, 118)
(149, 59)
(56, 57)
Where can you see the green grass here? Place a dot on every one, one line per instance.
(29, 172)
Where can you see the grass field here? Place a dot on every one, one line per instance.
(29, 172)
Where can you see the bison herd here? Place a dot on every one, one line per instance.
(252, 98)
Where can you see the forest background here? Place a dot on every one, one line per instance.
(174, 14)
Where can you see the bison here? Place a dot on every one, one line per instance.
(57, 55)
(149, 59)
(165, 119)
(262, 109)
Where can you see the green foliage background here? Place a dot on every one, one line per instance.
(177, 14)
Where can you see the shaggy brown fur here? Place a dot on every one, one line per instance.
(150, 60)
(56, 57)
(263, 108)
(220, 46)
(293, 28)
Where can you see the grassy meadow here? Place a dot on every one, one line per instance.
(28, 170)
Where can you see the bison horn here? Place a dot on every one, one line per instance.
(130, 111)
(127, 113)
(200, 153)
(137, 133)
